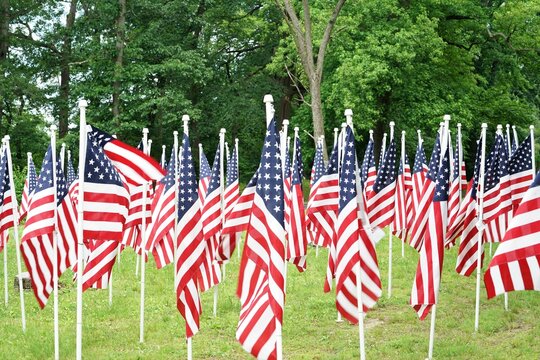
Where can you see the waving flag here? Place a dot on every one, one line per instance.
(356, 260)
(403, 201)
(99, 264)
(521, 171)
(317, 237)
(7, 220)
(380, 202)
(296, 229)
(369, 170)
(29, 186)
(421, 214)
(37, 239)
(71, 177)
(455, 220)
(190, 245)
(516, 263)
(136, 167)
(418, 177)
(425, 290)
(261, 282)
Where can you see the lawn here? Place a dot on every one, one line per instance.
(310, 330)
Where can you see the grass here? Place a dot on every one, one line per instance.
(310, 331)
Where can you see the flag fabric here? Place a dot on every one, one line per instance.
(516, 263)
(106, 199)
(296, 227)
(101, 259)
(135, 166)
(231, 196)
(425, 290)
(380, 203)
(356, 260)
(368, 170)
(71, 176)
(468, 247)
(454, 200)
(37, 239)
(403, 200)
(418, 177)
(161, 229)
(316, 237)
(29, 186)
(7, 218)
(205, 174)
(261, 281)
(190, 244)
(419, 223)
(237, 219)
(210, 274)
(521, 171)
(497, 197)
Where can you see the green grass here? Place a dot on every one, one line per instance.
(310, 330)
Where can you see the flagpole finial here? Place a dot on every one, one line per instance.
(459, 125)
(296, 130)
(447, 117)
(530, 127)
(53, 127)
(403, 132)
(499, 128)
(63, 145)
(285, 122)
(484, 125)
(149, 141)
(513, 127)
(222, 131)
(268, 98)
(145, 130)
(165, 146)
(174, 133)
(185, 117)
(6, 138)
(508, 126)
(83, 103)
(29, 154)
(236, 140)
(200, 146)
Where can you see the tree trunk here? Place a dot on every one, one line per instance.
(317, 114)
(63, 104)
(4, 48)
(118, 66)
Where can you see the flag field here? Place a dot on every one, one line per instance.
(310, 330)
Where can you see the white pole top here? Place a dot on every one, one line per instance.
(200, 146)
(6, 138)
(499, 128)
(53, 128)
(348, 112)
(145, 130)
(29, 154)
(164, 146)
(343, 125)
(268, 98)
(336, 130)
(296, 130)
(531, 127)
(83, 103)
(185, 117)
(174, 133)
(385, 135)
(149, 141)
(285, 122)
(459, 125)
(403, 132)
(236, 140)
(513, 127)
(447, 117)
(63, 145)
(508, 126)
(419, 132)
(484, 125)
(222, 131)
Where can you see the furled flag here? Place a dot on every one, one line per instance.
(317, 237)
(356, 260)
(454, 218)
(468, 247)
(135, 166)
(37, 239)
(521, 171)
(161, 230)
(211, 222)
(380, 203)
(261, 281)
(190, 245)
(418, 177)
(403, 200)
(205, 175)
(421, 214)
(29, 186)
(71, 177)
(368, 170)
(296, 229)
(101, 259)
(106, 199)
(7, 220)
(425, 290)
(232, 193)
(516, 263)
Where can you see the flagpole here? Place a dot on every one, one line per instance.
(6, 292)
(460, 159)
(403, 167)
(80, 236)
(516, 141)
(16, 230)
(221, 201)
(163, 149)
(531, 130)
(62, 156)
(392, 124)
(149, 149)
(284, 143)
(143, 242)
(320, 142)
(238, 171)
(383, 149)
(339, 139)
(509, 145)
(480, 226)
(175, 159)
(55, 246)
(227, 154)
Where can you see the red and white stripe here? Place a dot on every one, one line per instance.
(98, 269)
(296, 232)
(468, 248)
(403, 204)
(25, 200)
(229, 241)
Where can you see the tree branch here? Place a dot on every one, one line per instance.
(326, 37)
(295, 82)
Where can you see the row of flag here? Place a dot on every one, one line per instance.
(126, 199)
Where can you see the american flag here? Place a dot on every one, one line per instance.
(380, 203)
(106, 199)
(211, 223)
(515, 265)
(521, 171)
(497, 199)
(425, 290)
(135, 166)
(419, 223)
(468, 248)
(71, 176)
(232, 193)
(37, 239)
(317, 171)
(418, 177)
(296, 231)
(454, 220)
(29, 186)
(237, 220)
(356, 260)
(403, 200)
(368, 170)
(204, 175)
(7, 220)
(261, 281)
(287, 187)
(190, 244)
(101, 259)
(161, 230)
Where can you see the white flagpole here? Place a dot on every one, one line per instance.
(340, 140)
(149, 149)
(6, 292)
(460, 159)
(62, 157)
(143, 242)
(392, 124)
(238, 170)
(285, 142)
(480, 226)
(176, 158)
(55, 247)
(403, 165)
(221, 201)
(508, 140)
(383, 149)
(320, 142)
(80, 243)
(516, 141)
(531, 129)
(163, 155)
(16, 231)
